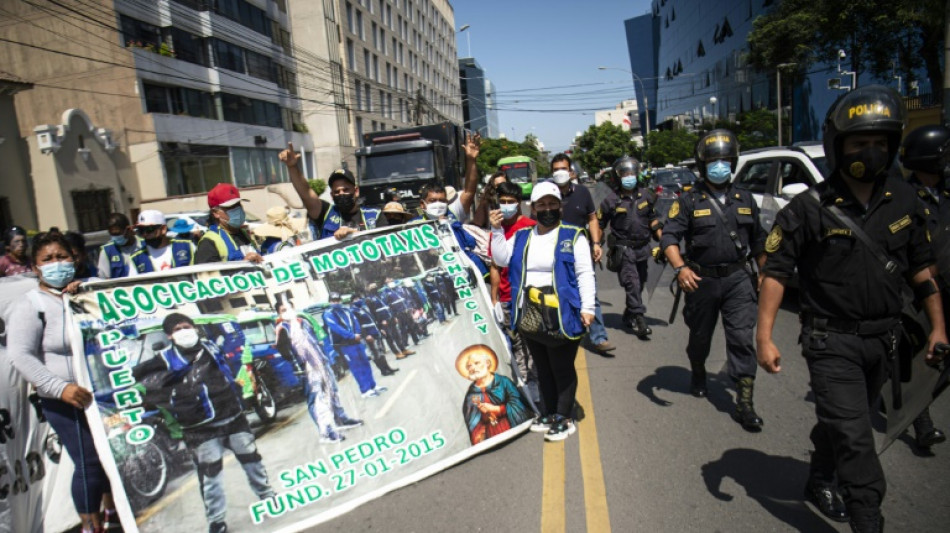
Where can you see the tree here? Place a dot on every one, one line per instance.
(670, 146)
(600, 146)
(877, 35)
(494, 149)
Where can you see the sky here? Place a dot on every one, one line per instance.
(542, 56)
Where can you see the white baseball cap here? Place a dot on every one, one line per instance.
(151, 217)
(561, 177)
(545, 188)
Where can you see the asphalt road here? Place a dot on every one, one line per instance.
(664, 461)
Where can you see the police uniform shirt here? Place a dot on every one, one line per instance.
(840, 277)
(629, 216)
(708, 243)
(936, 204)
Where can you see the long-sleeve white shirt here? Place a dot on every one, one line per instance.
(539, 270)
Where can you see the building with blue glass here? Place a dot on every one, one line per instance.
(478, 98)
(691, 61)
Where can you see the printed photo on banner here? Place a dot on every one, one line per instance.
(275, 397)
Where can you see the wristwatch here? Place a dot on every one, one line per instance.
(676, 271)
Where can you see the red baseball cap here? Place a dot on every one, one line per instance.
(224, 195)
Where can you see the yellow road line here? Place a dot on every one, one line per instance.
(595, 493)
(552, 492)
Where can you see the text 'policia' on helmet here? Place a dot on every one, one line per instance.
(869, 109)
(925, 149)
(717, 144)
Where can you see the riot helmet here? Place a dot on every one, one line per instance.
(870, 109)
(924, 149)
(624, 166)
(719, 144)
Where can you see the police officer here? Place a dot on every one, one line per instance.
(851, 286)
(386, 322)
(371, 334)
(721, 227)
(628, 210)
(347, 337)
(922, 153)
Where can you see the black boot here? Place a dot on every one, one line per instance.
(383, 365)
(697, 385)
(926, 434)
(867, 522)
(640, 327)
(745, 412)
(827, 500)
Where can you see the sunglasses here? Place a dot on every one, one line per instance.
(145, 230)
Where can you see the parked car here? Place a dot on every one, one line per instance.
(775, 175)
(669, 182)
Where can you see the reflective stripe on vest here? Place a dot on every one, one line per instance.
(118, 268)
(228, 250)
(181, 256)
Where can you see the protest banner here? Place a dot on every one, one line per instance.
(275, 397)
(35, 471)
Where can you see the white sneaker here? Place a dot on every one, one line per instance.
(560, 430)
(543, 423)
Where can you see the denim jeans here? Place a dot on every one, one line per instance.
(597, 332)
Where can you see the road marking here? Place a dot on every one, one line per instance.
(167, 500)
(553, 519)
(395, 396)
(595, 493)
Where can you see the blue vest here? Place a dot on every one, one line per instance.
(332, 220)
(273, 244)
(181, 256)
(221, 236)
(565, 278)
(118, 268)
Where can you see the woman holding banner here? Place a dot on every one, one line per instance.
(550, 270)
(40, 349)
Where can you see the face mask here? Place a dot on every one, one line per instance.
(436, 209)
(344, 202)
(508, 210)
(628, 182)
(550, 217)
(120, 240)
(235, 217)
(561, 177)
(185, 338)
(288, 315)
(58, 275)
(154, 243)
(719, 172)
(865, 166)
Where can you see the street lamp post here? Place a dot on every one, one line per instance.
(712, 104)
(778, 71)
(646, 104)
(468, 37)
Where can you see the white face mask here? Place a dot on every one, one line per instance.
(561, 177)
(288, 315)
(185, 338)
(436, 209)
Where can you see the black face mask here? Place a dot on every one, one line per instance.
(155, 243)
(344, 202)
(865, 166)
(549, 217)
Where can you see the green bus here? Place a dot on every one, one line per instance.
(521, 170)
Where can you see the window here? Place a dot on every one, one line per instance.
(375, 36)
(260, 66)
(228, 56)
(92, 208)
(359, 24)
(140, 34)
(755, 177)
(190, 48)
(194, 168)
(179, 101)
(251, 111)
(369, 98)
(244, 14)
(366, 62)
(350, 54)
(359, 96)
(258, 166)
(359, 130)
(349, 18)
(375, 68)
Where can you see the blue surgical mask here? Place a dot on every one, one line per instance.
(235, 217)
(628, 182)
(508, 210)
(58, 275)
(120, 240)
(719, 172)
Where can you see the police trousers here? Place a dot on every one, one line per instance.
(735, 298)
(847, 372)
(632, 277)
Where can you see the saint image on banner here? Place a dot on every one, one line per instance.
(492, 403)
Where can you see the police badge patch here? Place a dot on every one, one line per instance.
(774, 240)
(674, 210)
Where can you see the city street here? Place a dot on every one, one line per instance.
(650, 457)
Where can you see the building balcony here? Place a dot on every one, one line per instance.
(192, 130)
